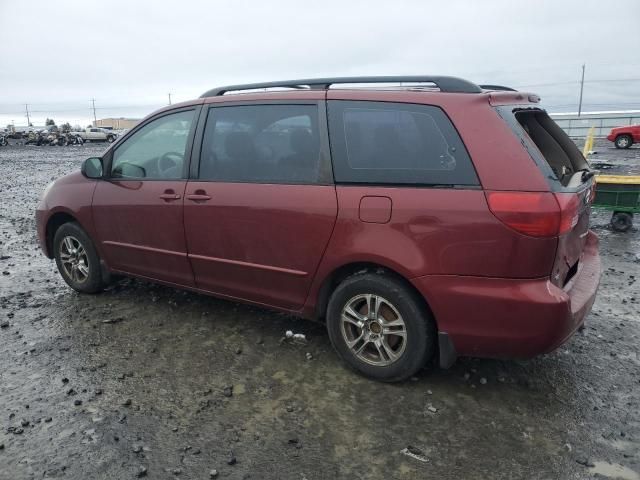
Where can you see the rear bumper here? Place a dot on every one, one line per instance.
(512, 318)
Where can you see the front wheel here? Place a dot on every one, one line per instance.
(623, 141)
(77, 259)
(380, 327)
(621, 221)
(110, 138)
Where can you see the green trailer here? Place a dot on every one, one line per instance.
(621, 195)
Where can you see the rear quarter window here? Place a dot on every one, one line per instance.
(398, 144)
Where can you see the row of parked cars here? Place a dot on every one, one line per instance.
(54, 136)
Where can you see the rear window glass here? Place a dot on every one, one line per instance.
(391, 143)
(558, 152)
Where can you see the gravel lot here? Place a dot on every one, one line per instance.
(143, 380)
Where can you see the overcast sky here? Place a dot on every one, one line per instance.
(58, 54)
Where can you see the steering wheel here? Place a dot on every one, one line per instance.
(168, 161)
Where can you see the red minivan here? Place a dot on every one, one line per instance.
(433, 218)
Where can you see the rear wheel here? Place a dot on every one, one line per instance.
(379, 327)
(621, 221)
(110, 138)
(77, 259)
(623, 141)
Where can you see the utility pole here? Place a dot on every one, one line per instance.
(95, 120)
(169, 98)
(26, 108)
(581, 89)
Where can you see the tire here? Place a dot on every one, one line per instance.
(110, 139)
(621, 221)
(623, 141)
(69, 241)
(395, 303)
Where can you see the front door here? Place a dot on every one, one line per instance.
(138, 209)
(260, 213)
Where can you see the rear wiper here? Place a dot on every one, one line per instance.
(587, 173)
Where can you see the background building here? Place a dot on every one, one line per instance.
(117, 123)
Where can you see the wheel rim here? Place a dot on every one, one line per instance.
(373, 329)
(74, 260)
(623, 142)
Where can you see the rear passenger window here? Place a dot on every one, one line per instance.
(262, 144)
(394, 143)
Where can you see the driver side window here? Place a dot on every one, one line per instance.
(156, 151)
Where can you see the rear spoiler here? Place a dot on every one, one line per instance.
(511, 97)
(501, 95)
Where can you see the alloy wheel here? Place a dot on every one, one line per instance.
(373, 329)
(74, 260)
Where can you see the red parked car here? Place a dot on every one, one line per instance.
(439, 219)
(624, 137)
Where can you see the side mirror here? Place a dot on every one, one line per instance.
(92, 167)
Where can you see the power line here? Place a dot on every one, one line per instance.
(575, 82)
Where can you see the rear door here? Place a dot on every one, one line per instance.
(569, 178)
(261, 206)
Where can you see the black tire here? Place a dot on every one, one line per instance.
(111, 138)
(93, 281)
(420, 327)
(623, 141)
(621, 221)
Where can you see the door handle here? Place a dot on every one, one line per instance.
(169, 195)
(198, 196)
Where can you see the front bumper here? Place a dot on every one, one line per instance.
(512, 318)
(611, 137)
(41, 227)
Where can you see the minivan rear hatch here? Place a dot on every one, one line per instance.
(570, 180)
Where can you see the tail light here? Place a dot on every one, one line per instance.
(537, 214)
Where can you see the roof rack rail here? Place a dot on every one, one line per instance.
(501, 88)
(445, 84)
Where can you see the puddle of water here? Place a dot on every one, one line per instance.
(614, 470)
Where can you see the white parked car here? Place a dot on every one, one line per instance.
(97, 135)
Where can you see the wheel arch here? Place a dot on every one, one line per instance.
(339, 274)
(55, 221)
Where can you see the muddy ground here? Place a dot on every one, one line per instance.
(146, 380)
